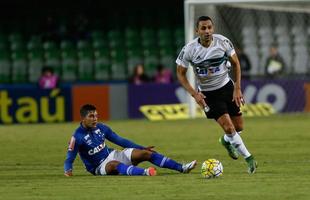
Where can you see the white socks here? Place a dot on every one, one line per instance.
(236, 141)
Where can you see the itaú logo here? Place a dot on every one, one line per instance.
(96, 149)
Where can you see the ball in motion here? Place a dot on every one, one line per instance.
(211, 168)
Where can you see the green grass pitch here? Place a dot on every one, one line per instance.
(31, 165)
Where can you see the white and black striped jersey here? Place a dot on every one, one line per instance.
(211, 65)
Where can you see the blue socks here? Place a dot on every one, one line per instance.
(157, 159)
(165, 162)
(130, 170)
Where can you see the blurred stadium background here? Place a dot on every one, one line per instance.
(93, 47)
(255, 26)
(87, 40)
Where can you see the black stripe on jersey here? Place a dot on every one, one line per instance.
(214, 62)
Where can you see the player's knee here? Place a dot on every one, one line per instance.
(146, 155)
(140, 156)
(111, 167)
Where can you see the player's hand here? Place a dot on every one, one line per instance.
(150, 148)
(68, 173)
(238, 97)
(199, 98)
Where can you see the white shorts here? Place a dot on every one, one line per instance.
(123, 156)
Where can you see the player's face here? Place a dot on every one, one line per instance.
(91, 119)
(205, 30)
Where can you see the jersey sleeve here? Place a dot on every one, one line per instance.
(183, 58)
(116, 139)
(229, 47)
(71, 154)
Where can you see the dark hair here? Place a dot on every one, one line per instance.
(85, 109)
(160, 67)
(203, 18)
(47, 69)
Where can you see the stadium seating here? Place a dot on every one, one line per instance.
(34, 43)
(164, 36)
(52, 59)
(67, 45)
(85, 65)
(102, 67)
(179, 39)
(100, 43)
(35, 62)
(110, 51)
(132, 38)
(115, 39)
(19, 67)
(69, 65)
(262, 29)
(3, 42)
(5, 67)
(134, 57)
(148, 37)
(97, 34)
(118, 64)
(167, 57)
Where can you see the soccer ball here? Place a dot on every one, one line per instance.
(211, 168)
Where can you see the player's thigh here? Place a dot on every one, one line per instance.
(123, 156)
(139, 155)
(111, 168)
(216, 104)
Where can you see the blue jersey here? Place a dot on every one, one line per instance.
(90, 144)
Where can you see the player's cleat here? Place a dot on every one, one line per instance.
(252, 164)
(151, 171)
(186, 168)
(232, 152)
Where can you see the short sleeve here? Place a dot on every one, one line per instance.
(229, 47)
(183, 58)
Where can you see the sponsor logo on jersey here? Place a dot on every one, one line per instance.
(96, 149)
(86, 137)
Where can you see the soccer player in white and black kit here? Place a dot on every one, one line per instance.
(211, 56)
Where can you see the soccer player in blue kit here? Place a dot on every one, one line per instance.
(89, 141)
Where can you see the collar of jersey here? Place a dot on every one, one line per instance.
(87, 129)
(198, 41)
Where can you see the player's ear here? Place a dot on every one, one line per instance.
(83, 118)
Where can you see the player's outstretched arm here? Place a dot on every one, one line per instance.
(71, 155)
(123, 142)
